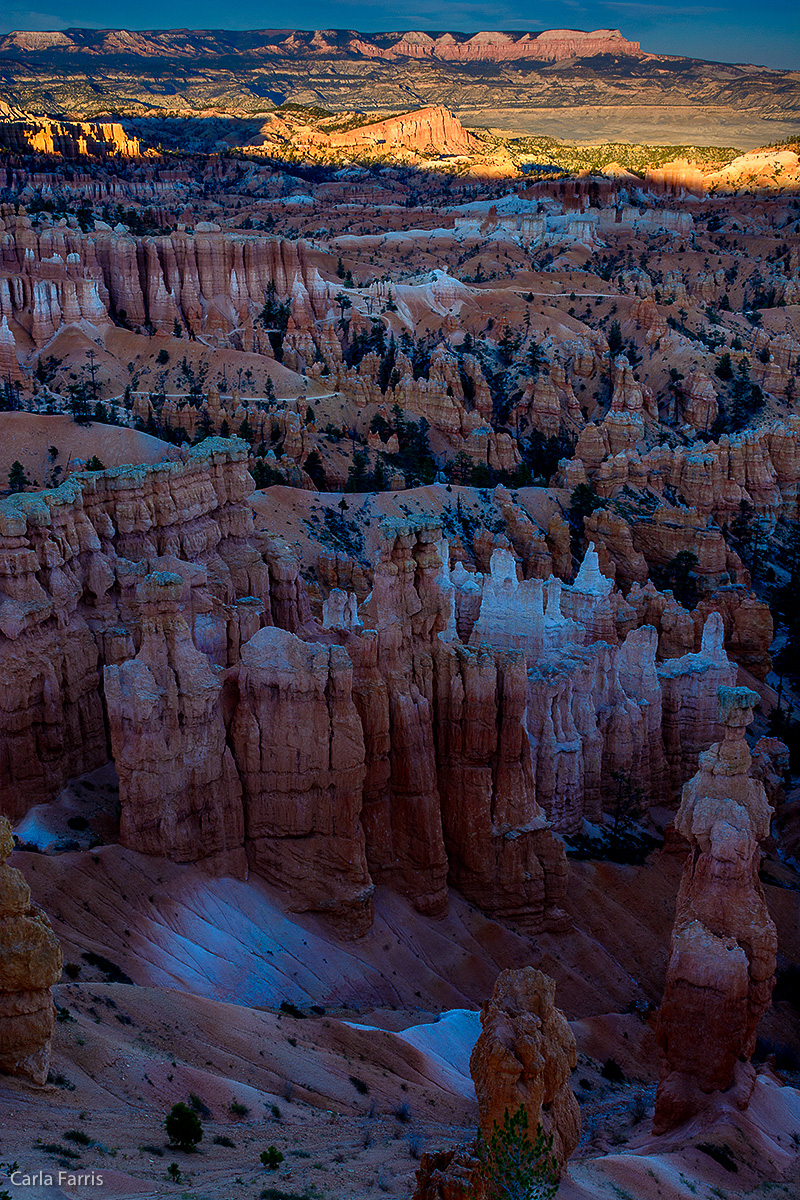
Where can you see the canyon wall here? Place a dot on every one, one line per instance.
(207, 280)
(144, 619)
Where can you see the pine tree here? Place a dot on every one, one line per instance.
(615, 342)
(17, 479)
(183, 1127)
(514, 1167)
(724, 367)
(380, 481)
(358, 479)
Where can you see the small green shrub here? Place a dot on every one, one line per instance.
(78, 1136)
(198, 1105)
(271, 1158)
(514, 1167)
(183, 1127)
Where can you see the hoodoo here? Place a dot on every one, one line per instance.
(722, 963)
(523, 1059)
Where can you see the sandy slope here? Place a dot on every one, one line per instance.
(27, 438)
(399, 1021)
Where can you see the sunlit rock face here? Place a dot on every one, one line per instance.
(68, 139)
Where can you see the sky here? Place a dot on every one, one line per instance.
(720, 30)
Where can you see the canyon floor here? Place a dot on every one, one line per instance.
(177, 985)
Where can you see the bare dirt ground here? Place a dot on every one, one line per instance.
(353, 1090)
(28, 438)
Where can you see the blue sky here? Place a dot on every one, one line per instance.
(721, 30)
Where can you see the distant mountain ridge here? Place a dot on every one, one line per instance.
(549, 45)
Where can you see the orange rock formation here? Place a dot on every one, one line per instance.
(68, 139)
(523, 1058)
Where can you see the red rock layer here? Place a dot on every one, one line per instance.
(179, 792)
(299, 747)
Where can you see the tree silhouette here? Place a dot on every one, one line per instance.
(17, 479)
